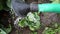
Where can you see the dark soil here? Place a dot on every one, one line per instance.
(46, 20)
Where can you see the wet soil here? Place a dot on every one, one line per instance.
(46, 20)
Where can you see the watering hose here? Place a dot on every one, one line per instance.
(48, 7)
